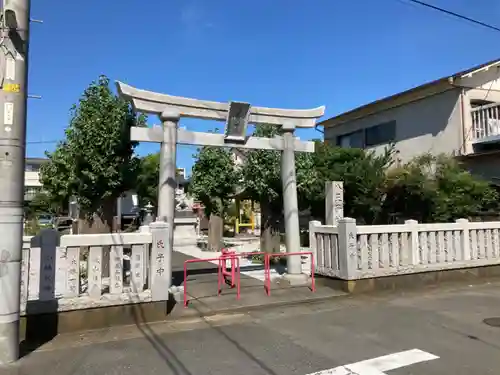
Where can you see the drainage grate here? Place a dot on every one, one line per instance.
(493, 322)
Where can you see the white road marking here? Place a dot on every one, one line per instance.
(377, 366)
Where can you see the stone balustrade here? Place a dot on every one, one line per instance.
(350, 252)
(94, 270)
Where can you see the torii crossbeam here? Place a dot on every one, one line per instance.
(236, 115)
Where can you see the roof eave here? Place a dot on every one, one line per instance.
(396, 100)
(408, 96)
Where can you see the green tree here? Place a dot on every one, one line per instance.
(362, 172)
(437, 189)
(96, 161)
(214, 180)
(41, 203)
(147, 179)
(262, 183)
(410, 192)
(461, 195)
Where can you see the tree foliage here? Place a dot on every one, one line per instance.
(428, 188)
(57, 175)
(96, 161)
(41, 203)
(436, 189)
(147, 179)
(262, 182)
(362, 172)
(214, 178)
(261, 171)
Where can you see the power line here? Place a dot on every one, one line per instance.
(57, 141)
(454, 14)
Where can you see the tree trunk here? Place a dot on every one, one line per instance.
(100, 223)
(270, 230)
(215, 232)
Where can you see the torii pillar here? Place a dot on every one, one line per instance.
(236, 115)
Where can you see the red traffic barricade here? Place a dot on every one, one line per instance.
(234, 273)
(228, 255)
(221, 261)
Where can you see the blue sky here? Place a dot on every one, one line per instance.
(274, 53)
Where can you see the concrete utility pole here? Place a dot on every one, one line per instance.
(14, 41)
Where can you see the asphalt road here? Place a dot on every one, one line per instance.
(298, 340)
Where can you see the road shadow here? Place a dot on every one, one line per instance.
(171, 360)
(40, 323)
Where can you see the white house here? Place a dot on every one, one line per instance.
(457, 114)
(32, 182)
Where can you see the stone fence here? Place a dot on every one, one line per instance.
(352, 252)
(94, 270)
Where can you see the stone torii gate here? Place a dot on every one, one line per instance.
(237, 116)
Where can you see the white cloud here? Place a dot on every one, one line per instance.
(194, 18)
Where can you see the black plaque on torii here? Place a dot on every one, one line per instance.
(237, 121)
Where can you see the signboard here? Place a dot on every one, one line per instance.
(237, 121)
(8, 113)
(12, 87)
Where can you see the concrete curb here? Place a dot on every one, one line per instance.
(191, 312)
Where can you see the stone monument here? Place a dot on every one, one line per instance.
(237, 116)
(185, 220)
(334, 202)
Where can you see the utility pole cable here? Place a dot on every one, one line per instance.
(14, 43)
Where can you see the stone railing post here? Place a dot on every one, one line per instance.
(160, 262)
(465, 239)
(313, 244)
(412, 255)
(348, 248)
(147, 261)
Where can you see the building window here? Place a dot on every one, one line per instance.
(352, 140)
(372, 136)
(32, 167)
(30, 192)
(380, 134)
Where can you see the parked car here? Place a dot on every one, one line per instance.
(63, 224)
(45, 220)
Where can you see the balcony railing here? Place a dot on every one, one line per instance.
(485, 122)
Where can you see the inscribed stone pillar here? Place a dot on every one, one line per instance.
(334, 202)
(161, 264)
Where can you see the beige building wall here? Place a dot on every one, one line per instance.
(432, 124)
(32, 179)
